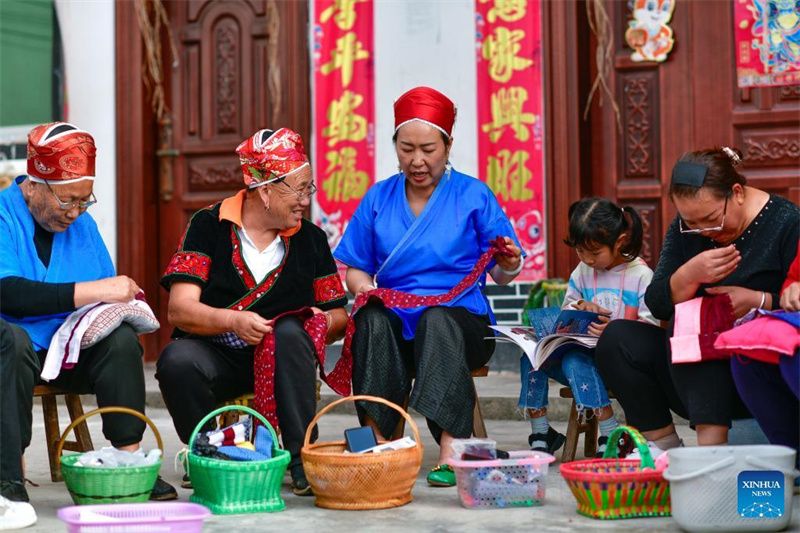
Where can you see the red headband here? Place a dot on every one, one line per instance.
(427, 105)
(60, 152)
(267, 156)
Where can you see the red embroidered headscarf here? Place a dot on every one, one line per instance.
(270, 155)
(426, 105)
(60, 153)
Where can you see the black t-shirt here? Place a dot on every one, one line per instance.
(210, 256)
(768, 246)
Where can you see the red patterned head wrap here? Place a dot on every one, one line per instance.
(426, 105)
(270, 155)
(60, 153)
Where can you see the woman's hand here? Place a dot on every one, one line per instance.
(509, 263)
(742, 299)
(790, 298)
(596, 328)
(366, 287)
(711, 266)
(119, 289)
(249, 326)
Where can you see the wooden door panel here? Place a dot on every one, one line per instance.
(219, 97)
(689, 102)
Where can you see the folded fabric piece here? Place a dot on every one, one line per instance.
(698, 323)
(235, 453)
(765, 339)
(790, 317)
(231, 435)
(89, 325)
(263, 442)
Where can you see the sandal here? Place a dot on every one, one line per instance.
(442, 476)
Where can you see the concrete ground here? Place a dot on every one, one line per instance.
(433, 509)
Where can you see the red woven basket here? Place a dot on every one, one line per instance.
(611, 488)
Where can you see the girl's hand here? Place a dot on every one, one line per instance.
(790, 299)
(712, 265)
(596, 328)
(509, 263)
(583, 305)
(742, 299)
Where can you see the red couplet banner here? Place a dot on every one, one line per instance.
(344, 110)
(510, 118)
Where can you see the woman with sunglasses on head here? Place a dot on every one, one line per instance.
(728, 238)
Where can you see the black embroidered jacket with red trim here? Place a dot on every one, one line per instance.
(209, 255)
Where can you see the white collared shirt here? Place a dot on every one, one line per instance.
(261, 262)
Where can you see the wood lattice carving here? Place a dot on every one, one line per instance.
(215, 177)
(226, 38)
(772, 150)
(638, 122)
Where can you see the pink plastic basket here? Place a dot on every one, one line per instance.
(518, 481)
(162, 517)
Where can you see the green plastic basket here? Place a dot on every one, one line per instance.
(231, 487)
(89, 485)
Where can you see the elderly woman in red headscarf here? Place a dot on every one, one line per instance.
(421, 232)
(240, 264)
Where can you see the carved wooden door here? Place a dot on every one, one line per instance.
(690, 101)
(219, 94)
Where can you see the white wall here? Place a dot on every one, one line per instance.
(426, 43)
(87, 31)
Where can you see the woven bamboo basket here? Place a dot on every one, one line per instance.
(88, 485)
(611, 488)
(360, 481)
(231, 487)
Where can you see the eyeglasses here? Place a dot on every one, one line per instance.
(307, 192)
(64, 206)
(702, 230)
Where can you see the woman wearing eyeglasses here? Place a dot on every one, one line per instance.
(240, 264)
(728, 238)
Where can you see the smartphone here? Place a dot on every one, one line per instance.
(360, 439)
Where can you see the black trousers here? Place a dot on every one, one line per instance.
(448, 343)
(196, 375)
(635, 362)
(111, 369)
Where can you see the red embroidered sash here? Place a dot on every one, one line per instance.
(316, 326)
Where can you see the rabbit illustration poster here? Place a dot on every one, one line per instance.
(648, 32)
(767, 42)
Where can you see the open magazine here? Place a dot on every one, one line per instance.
(552, 333)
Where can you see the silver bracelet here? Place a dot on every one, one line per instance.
(516, 270)
(763, 299)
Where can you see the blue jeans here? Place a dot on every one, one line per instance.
(577, 369)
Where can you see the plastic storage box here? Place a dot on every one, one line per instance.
(518, 481)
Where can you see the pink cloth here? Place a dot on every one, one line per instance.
(698, 323)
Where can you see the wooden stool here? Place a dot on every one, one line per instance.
(52, 431)
(576, 426)
(478, 427)
(231, 417)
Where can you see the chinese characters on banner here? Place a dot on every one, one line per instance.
(344, 130)
(767, 43)
(510, 114)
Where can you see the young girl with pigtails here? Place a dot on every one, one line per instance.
(611, 280)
